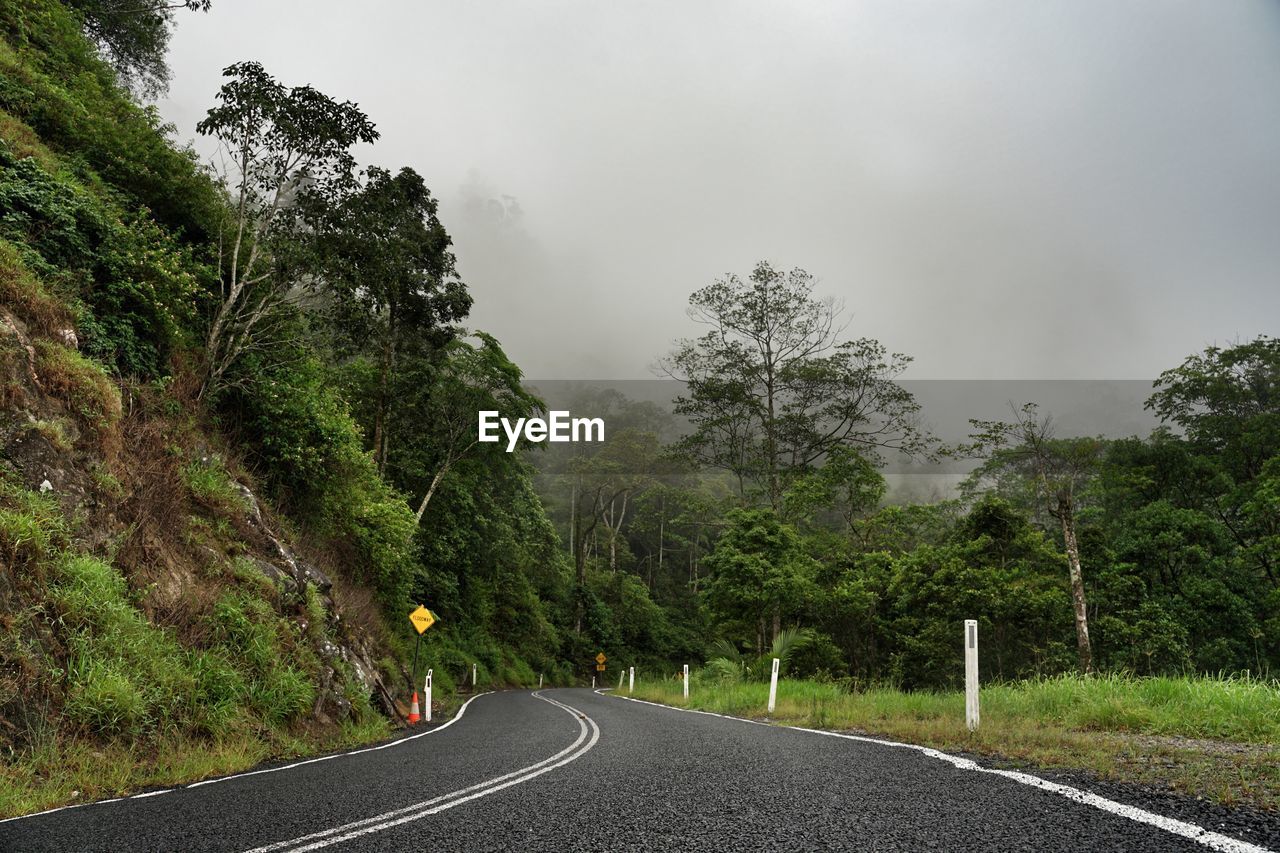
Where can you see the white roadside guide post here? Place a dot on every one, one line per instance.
(473, 675)
(426, 688)
(621, 675)
(971, 674)
(539, 681)
(593, 682)
(773, 685)
(686, 681)
(631, 685)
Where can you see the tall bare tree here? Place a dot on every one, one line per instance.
(772, 388)
(1057, 471)
(288, 150)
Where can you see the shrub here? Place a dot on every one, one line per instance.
(26, 296)
(281, 693)
(125, 675)
(209, 483)
(31, 527)
(84, 386)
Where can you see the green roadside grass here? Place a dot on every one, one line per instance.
(1217, 738)
(72, 771)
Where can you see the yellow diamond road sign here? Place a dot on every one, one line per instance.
(600, 658)
(422, 619)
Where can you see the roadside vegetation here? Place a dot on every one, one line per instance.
(1200, 735)
(237, 414)
(212, 509)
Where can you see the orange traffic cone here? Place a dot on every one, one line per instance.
(414, 716)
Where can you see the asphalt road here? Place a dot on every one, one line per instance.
(565, 770)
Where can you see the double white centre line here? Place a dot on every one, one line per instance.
(588, 735)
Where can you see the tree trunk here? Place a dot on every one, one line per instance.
(662, 527)
(573, 519)
(1077, 585)
(777, 622)
(613, 541)
(431, 490)
(380, 413)
(771, 434)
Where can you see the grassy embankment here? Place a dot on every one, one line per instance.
(1216, 738)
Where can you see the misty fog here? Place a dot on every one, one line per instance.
(1042, 190)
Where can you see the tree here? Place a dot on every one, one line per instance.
(997, 567)
(446, 394)
(1056, 470)
(846, 483)
(772, 389)
(134, 36)
(1228, 403)
(759, 573)
(290, 153)
(389, 278)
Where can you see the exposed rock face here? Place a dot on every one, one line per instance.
(43, 447)
(292, 577)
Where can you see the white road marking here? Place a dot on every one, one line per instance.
(417, 811)
(438, 728)
(1209, 838)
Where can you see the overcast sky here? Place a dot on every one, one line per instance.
(1000, 189)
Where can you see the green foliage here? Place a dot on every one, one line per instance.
(210, 484)
(104, 207)
(772, 390)
(389, 289)
(135, 284)
(133, 37)
(815, 655)
(32, 528)
(125, 676)
(81, 383)
(302, 438)
(760, 574)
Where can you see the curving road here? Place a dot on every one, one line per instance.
(563, 770)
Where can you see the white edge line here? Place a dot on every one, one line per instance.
(278, 845)
(486, 788)
(438, 728)
(1207, 837)
(149, 794)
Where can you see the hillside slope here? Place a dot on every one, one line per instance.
(161, 620)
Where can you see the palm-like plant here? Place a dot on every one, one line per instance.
(726, 664)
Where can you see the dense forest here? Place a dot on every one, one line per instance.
(292, 324)
(753, 519)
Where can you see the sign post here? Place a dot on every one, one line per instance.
(421, 619)
(971, 674)
(427, 690)
(773, 685)
(686, 682)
